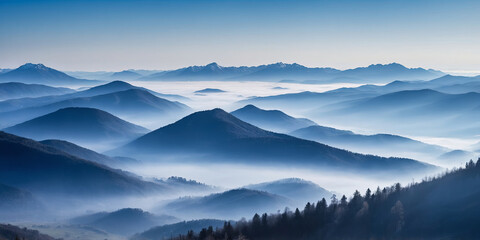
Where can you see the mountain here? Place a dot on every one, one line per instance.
(21, 90)
(125, 75)
(133, 105)
(88, 154)
(392, 71)
(210, 90)
(296, 73)
(414, 112)
(169, 230)
(111, 87)
(215, 135)
(8, 232)
(187, 187)
(296, 189)
(457, 157)
(378, 144)
(210, 71)
(232, 204)
(273, 120)
(79, 125)
(126, 221)
(40, 74)
(306, 101)
(47, 172)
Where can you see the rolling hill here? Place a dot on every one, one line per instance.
(79, 125)
(111, 87)
(217, 136)
(87, 154)
(13, 90)
(133, 104)
(272, 120)
(126, 221)
(232, 204)
(378, 144)
(169, 230)
(8, 232)
(125, 75)
(47, 172)
(296, 189)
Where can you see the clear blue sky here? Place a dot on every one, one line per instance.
(116, 35)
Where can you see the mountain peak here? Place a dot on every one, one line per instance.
(393, 65)
(38, 66)
(250, 107)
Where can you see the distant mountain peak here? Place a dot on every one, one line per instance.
(251, 107)
(38, 66)
(389, 65)
(213, 65)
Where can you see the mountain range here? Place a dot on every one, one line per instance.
(132, 105)
(297, 73)
(12, 90)
(87, 154)
(111, 87)
(379, 144)
(217, 136)
(82, 125)
(40, 74)
(423, 112)
(48, 172)
(125, 75)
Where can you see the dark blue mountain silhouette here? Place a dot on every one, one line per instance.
(40, 74)
(8, 231)
(111, 87)
(297, 73)
(78, 125)
(45, 171)
(88, 154)
(13, 90)
(218, 136)
(133, 103)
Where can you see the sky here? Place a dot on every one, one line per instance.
(92, 35)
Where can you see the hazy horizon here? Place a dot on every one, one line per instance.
(100, 35)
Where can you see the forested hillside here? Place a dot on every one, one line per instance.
(443, 207)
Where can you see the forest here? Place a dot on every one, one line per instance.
(441, 207)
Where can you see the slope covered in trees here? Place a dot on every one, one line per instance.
(444, 207)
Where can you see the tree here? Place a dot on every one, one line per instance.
(368, 194)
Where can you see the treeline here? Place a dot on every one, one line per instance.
(446, 206)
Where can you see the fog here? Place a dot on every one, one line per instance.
(229, 176)
(235, 91)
